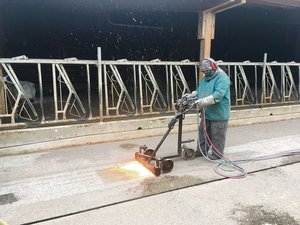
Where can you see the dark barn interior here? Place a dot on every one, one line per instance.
(49, 29)
(165, 30)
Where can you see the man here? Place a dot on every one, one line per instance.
(214, 100)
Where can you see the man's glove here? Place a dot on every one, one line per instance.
(209, 100)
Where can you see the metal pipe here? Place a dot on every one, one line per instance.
(172, 87)
(135, 89)
(141, 90)
(255, 81)
(168, 88)
(41, 92)
(54, 91)
(236, 86)
(282, 83)
(106, 90)
(263, 89)
(144, 80)
(89, 89)
(99, 64)
(121, 62)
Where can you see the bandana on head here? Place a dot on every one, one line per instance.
(206, 65)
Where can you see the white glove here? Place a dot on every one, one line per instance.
(190, 95)
(209, 100)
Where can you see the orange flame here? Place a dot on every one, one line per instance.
(133, 169)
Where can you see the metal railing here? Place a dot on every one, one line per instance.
(76, 90)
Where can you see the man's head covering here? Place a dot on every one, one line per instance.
(207, 64)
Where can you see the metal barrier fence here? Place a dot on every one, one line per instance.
(75, 90)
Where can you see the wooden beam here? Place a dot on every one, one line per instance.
(206, 32)
(226, 5)
(206, 26)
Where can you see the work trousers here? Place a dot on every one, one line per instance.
(216, 131)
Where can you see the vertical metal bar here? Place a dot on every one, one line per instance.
(60, 91)
(230, 76)
(112, 86)
(106, 90)
(54, 91)
(141, 90)
(147, 88)
(41, 91)
(263, 88)
(196, 77)
(89, 89)
(135, 89)
(168, 88)
(255, 84)
(172, 87)
(14, 110)
(3, 99)
(228, 71)
(66, 106)
(236, 86)
(99, 64)
(282, 84)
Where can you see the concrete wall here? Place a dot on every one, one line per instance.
(36, 139)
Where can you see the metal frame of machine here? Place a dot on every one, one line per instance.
(147, 156)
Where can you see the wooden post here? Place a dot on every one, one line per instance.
(206, 32)
(2, 100)
(206, 26)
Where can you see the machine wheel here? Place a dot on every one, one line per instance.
(188, 153)
(167, 166)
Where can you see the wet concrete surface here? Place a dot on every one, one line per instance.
(95, 184)
(256, 214)
(251, 201)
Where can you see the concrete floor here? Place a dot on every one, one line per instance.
(93, 184)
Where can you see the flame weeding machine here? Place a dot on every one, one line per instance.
(147, 156)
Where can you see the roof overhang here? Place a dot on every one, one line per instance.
(154, 5)
(192, 5)
(276, 3)
(169, 5)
